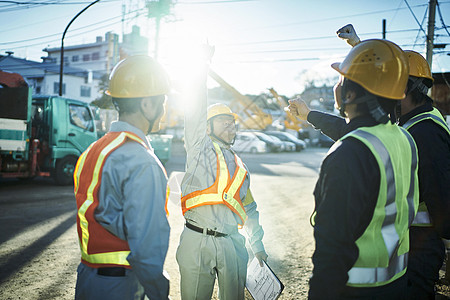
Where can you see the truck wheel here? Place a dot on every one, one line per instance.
(65, 167)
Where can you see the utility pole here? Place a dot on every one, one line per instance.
(384, 29)
(158, 9)
(430, 33)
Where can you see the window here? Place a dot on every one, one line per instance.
(75, 58)
(86, 57)
(80, 116)
(96, 56)
(56, 88)
(66, 60)
(85, 91)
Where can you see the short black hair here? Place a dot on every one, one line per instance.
(388, 105)
(127, 105)
(417, 96)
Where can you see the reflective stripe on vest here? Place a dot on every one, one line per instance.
(423, 218)
(434, 115)
(86, 194)
(223, 191)
(391, 261)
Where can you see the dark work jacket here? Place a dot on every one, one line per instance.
(433, 145)
(434, 174)
(345, 198)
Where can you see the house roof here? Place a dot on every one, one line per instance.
(21, 63)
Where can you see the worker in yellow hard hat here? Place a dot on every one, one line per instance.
(120, 190)
(216, 201)
(431, 134)
(432, 223)
(367, 192)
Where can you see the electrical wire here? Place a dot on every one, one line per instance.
(442, 19)
(139, 11)
(418, 32)
(420, 25)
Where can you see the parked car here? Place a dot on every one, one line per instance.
(274, 144)
(248, 142)
(284, 136)
(286, 145)
(324, 141)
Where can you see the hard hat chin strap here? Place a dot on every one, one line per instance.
(375, 109)
(212, 134)
(417, 83)
(152, 121)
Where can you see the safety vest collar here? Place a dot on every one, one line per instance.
(434, 115)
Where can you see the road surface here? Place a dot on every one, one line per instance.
(39, 250)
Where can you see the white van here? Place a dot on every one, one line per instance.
(248, 142)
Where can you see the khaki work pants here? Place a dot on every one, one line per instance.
(201, 258)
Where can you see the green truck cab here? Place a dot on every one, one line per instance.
(42, 135)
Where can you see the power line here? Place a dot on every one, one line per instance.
(423, 20)
(17, 5)
(337, 18)
(420, 25)
(313, 38)
(442, 19)
(42, 3)
(215, 2)
(139, 11)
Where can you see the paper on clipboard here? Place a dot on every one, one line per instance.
(262, 283)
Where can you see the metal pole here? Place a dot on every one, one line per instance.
(384, 28)
(430, 33)
(61, 63)
(158, 21)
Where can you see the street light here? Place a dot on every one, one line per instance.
(61, 67)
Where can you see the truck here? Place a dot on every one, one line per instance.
(161, 143)
(41, 135)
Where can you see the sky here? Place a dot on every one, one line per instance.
(260, 44)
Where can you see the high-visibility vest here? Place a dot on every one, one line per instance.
(384, 245)
(223, 190)
(423, 218)
(99, 247)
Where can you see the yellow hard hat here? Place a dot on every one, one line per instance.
(219, 109)
(138, 76)
(379, 66)
(418, 66)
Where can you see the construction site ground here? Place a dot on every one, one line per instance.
(39, 250)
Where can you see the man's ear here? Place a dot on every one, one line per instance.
(144, 105)
(208, 127)
(350, 96)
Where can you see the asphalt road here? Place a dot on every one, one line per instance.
(38, 243)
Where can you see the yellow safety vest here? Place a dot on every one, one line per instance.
(99, 247)
(423, 218)
(223, 190)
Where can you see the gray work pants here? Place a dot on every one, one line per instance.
(91, 286)
(201, 258)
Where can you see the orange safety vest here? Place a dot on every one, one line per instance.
(99, 247)
(223, 191)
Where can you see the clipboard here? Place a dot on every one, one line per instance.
(262, 283)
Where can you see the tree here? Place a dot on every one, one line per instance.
(104, 101)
